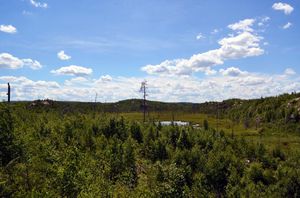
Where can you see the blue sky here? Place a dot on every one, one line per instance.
(187, 50)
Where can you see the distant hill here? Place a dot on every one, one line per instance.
(284, 108)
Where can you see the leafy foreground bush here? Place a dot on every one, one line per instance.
(48, 154)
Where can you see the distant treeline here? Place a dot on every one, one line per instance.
(283, 108)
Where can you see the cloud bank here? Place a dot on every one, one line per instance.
(227, 83)
(244, 44)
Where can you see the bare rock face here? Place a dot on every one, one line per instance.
(39, 103)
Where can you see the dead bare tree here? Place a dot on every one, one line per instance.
(143, 89)
(95, 102)
(8, 92)
(218, 116)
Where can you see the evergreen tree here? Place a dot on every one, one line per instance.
(8, 149)
(183, 141)
(136, 132)
(130, 174)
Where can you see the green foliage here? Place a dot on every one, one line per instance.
(136, 132)
(255, 173)
(47, 153)
(183, 140)
(277, 153)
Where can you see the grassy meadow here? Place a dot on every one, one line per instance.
(270, 137)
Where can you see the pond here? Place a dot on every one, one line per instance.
(178, 123)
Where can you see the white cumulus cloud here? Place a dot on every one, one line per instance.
(106, 78)
(38, 4)
(263, 21)
(73, 70)
(9, 61)
(76, 81)
(232, 71)
(33, 64)
(215, 31)
(62, 56)
(8, 29)
(244, 25)
(288, 25)
(200, 36)
(286, 8)
(289, 72)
